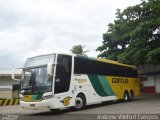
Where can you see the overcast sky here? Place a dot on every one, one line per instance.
(34, 27)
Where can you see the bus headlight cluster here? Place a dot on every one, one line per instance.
(47, 97)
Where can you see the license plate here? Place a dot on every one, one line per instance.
(32, 105)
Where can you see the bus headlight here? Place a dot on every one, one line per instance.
(47, 97)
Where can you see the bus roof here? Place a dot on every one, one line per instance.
(93, 58)
(107, 61)
(116, 62)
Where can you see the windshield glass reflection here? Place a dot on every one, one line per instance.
(36, 80)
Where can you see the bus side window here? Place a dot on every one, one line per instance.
(63, 73)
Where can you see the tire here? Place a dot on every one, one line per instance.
(126, 97)
(80, 102)
(131, 95)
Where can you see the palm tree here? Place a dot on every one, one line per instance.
(78, 49)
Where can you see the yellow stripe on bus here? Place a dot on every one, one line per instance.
(115, 62)
(120, 84)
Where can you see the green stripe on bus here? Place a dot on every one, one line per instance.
(105, 84)
(101, 85)
(97, 85)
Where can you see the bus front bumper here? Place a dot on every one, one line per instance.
(38, 105)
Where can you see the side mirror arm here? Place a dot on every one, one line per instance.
(50, 69)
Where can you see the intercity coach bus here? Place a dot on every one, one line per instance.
(56, 81)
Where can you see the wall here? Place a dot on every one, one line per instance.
(149, 85)
(157, 83)
(150, 75)
(6, 94)
(6, 84)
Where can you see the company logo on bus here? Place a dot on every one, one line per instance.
(119, 80)
(66, 101)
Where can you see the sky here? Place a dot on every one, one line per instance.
(34, 27)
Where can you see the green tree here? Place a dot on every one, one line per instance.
(79, 49)
(134, 37)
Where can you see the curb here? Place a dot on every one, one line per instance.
(6, 102)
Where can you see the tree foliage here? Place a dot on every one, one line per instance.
(79, 49)
(134, 37)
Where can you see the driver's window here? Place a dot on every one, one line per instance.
(63, 73)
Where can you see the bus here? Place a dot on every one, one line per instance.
(57, 81)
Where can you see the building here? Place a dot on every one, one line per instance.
(8, 88)
(150, 78)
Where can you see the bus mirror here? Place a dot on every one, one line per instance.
(16, 74)
(50, 69)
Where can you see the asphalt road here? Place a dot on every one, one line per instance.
(146, 104)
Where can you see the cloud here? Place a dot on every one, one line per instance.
(33, 27)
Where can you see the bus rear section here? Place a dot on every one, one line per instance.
(108, 80)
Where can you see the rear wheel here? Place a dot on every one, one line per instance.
(131, 96)
(80, 102)
(126, 96)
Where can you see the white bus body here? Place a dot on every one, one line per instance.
(57, 81)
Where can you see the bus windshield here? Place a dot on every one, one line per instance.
(36, 80)
(40, 60)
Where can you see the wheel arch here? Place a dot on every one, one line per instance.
(126, 91)
(83, 94)
(131, 91)
(80, 97)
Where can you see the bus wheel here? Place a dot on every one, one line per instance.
(80, 102)
(131, 96)
(126, 96)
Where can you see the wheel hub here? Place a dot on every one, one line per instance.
(78, 103)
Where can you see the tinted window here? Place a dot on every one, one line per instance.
(88, 66)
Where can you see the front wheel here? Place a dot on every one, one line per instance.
(80, 102)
